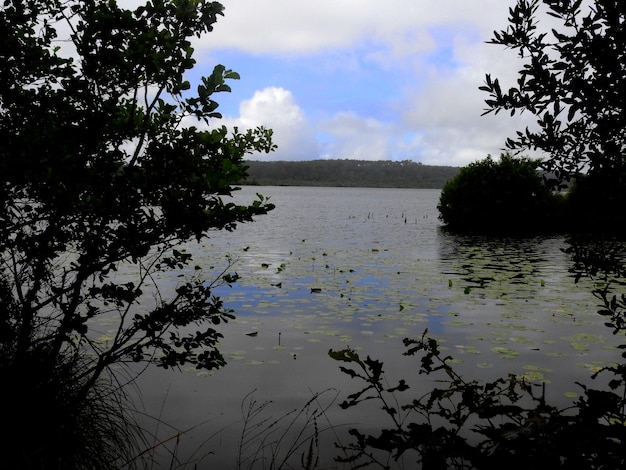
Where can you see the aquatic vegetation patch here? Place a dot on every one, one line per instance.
(467, 349)
(236, 355)
(521, 340)
(582, 341)
(533, 376)
(456, 324)
(555, 354)
(505, 353)
(512, 327)
(513, 295)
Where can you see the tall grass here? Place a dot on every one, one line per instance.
(51, 422)
(291, 440)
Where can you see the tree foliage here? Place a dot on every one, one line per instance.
(503, 195)
(108, 163)
(572, 81)
(353, 173)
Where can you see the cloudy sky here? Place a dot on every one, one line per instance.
(365, 79)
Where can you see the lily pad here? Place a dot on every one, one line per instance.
(533, 376)
(505, 353)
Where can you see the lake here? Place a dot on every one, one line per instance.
(365, 268)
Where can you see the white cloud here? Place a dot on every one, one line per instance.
(356, 138)
(439, 122)
(436, 48)
(447, 108)
(287, 26)
(275, 108)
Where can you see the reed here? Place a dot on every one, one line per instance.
(51, 422)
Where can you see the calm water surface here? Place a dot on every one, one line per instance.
(339, 267)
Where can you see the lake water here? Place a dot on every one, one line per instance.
(364, 268)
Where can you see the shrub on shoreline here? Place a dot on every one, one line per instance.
(501, 196)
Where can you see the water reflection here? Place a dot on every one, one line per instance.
(483, 260)
(520, 309)
(338, 267)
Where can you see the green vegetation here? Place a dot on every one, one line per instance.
(355, 173)
(508, 195)
(99, 175)
(572, 81)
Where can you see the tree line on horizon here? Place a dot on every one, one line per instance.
(353, 173)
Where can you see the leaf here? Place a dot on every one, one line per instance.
(231, 75)
(345, 355)
(401, 387)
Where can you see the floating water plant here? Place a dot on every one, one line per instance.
(533, 376)
(467, 349)
(237, 355)
(505, 353)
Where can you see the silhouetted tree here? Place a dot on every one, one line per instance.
(572, 80)
(103, 168)
(504, 195)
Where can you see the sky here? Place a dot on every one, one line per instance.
(364, 79)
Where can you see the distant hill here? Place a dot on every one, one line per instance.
(354, 173)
